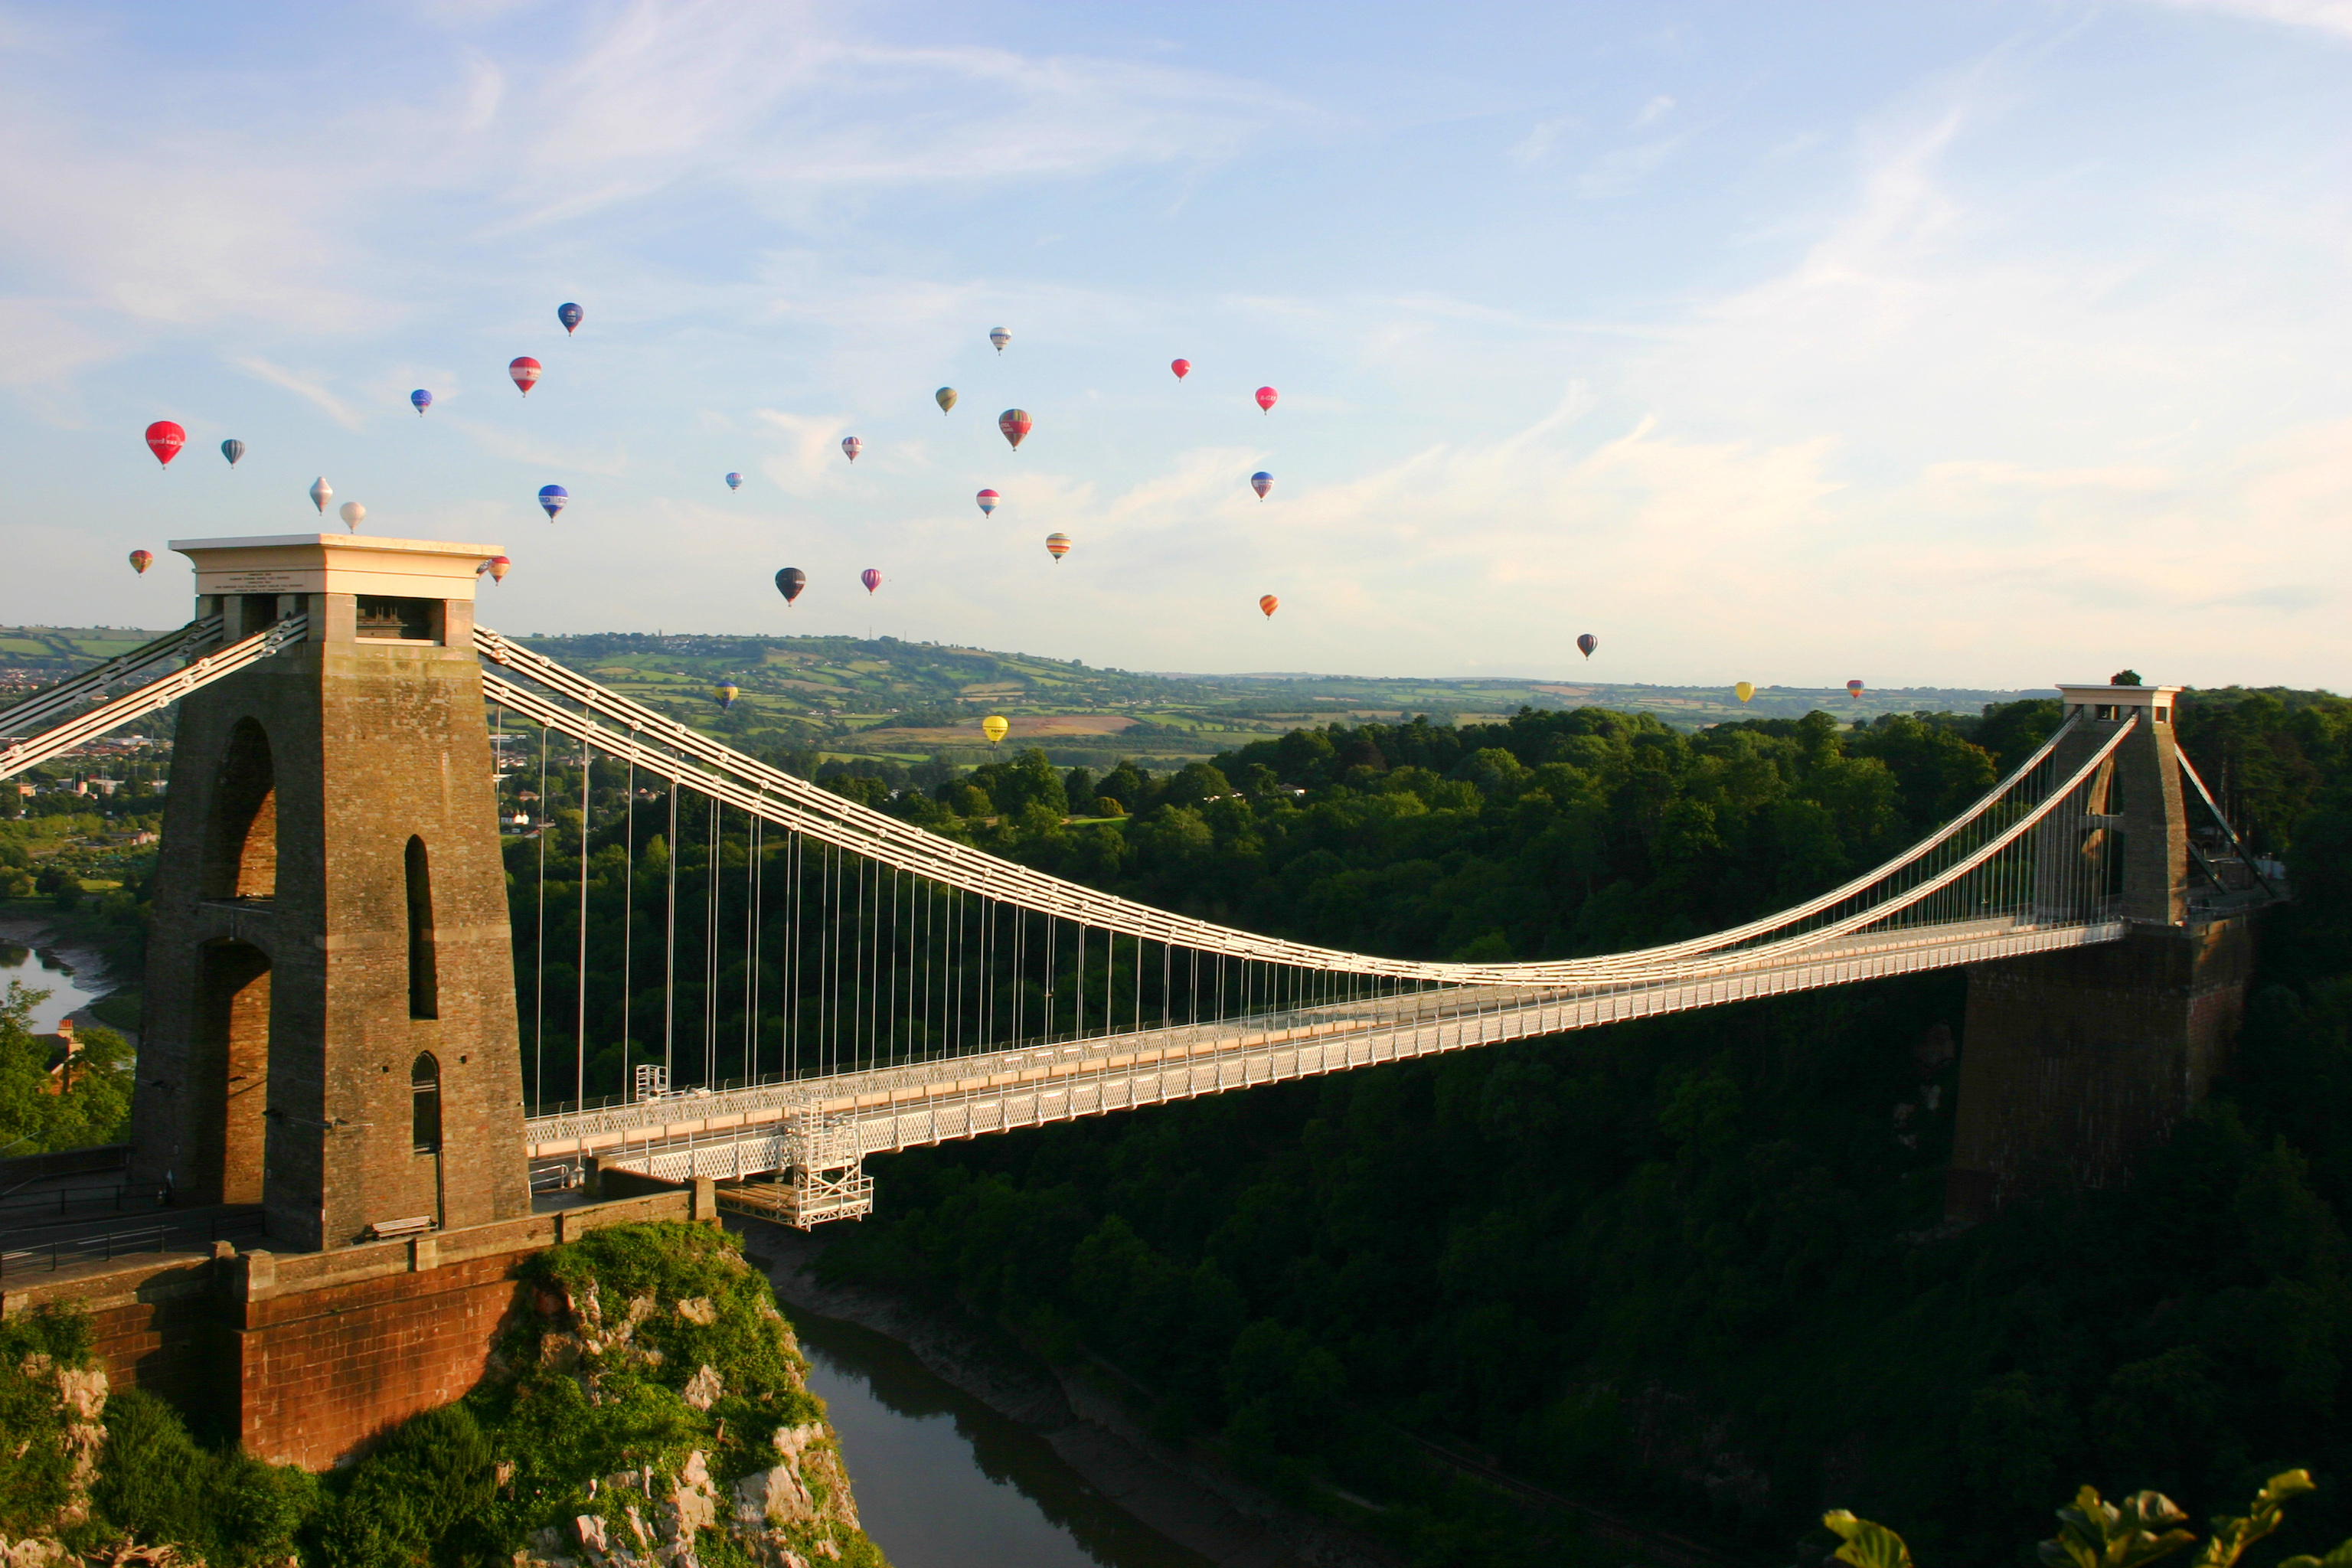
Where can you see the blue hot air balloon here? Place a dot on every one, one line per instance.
(569, 314)
(553, 497)
(423, 399)
(1261, 482)
(734, 481)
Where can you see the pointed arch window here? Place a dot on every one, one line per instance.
(424, 1104)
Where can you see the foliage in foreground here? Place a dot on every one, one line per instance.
(2094, 1533)
(33, 1121)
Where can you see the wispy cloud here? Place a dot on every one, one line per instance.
(308, 388)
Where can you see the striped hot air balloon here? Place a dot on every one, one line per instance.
(1588, 642)
(853, 445)
(1057, 546)
(1015, 423)
(1000, 337)
(1853, 688)
(1261, 482)
(1269, 603)
(871, 578)
(141, 560)
(525, 371)
(988, 501)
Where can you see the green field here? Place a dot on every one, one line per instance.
(852, 697)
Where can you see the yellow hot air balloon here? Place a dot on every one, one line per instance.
(726, 692)
(1744, 690)
(994, 727)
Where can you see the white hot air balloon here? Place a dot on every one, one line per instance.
(351, 514)
(321, 492)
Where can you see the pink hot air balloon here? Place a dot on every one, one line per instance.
(853, 445)
(1266, 396)
(165, 440)
(871, 578)
(1183, 367)
(525, 371)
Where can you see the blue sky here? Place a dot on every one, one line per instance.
(1985, 344)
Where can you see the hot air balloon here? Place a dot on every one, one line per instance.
(1015, 423)
(141, 560)
(569, 314)
(1261, 482)
(945, 398)
(871, 578)
(321, 492)
(994, 726)
(525, 371)
(734, 481)
(165, 440)
(1269, 603)
(1853, 690)
(232, 450)
(725, 693)
(352, 514)
(1744, 689)
(989, 501)
(1000, 337)
(790, 581)
(497, 566)
(1588, 642)
(422, 399)
(1183, 367)
(1057, 546)
(853, 445)
(1266, 396)
(553, 497)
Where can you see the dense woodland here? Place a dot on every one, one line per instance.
(1695, 1267)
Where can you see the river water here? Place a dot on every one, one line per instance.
(943, 1482)
(42, 969)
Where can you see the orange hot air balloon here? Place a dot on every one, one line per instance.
(1269, 603)
(1853, 688)
(1057, 546)
(141, 560)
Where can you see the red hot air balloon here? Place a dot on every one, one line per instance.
(1853, 690)
(525, 371)
(1587, 642)
(1183, 367)
(853, 445)
(141, 560)
(1266, 396)
(497, 566)
(989, 501)
(1015, 423)
(165, 440)
(1269, 603)
(871, 578)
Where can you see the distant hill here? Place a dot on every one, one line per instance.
(883, 697)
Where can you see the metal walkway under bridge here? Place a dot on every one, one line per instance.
(932, 991)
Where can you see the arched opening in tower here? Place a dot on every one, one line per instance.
(229, 1073)
(241, 854)
(424, 981)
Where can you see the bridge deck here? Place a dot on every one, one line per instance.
(753, 1131)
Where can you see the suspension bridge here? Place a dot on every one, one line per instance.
(929, 991)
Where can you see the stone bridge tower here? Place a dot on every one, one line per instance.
(2072, 1062)
(329, 1027)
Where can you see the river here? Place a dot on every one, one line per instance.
(943, 1482)
(44, 969)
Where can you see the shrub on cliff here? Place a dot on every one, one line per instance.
(42, 1458)
(158, 1486)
